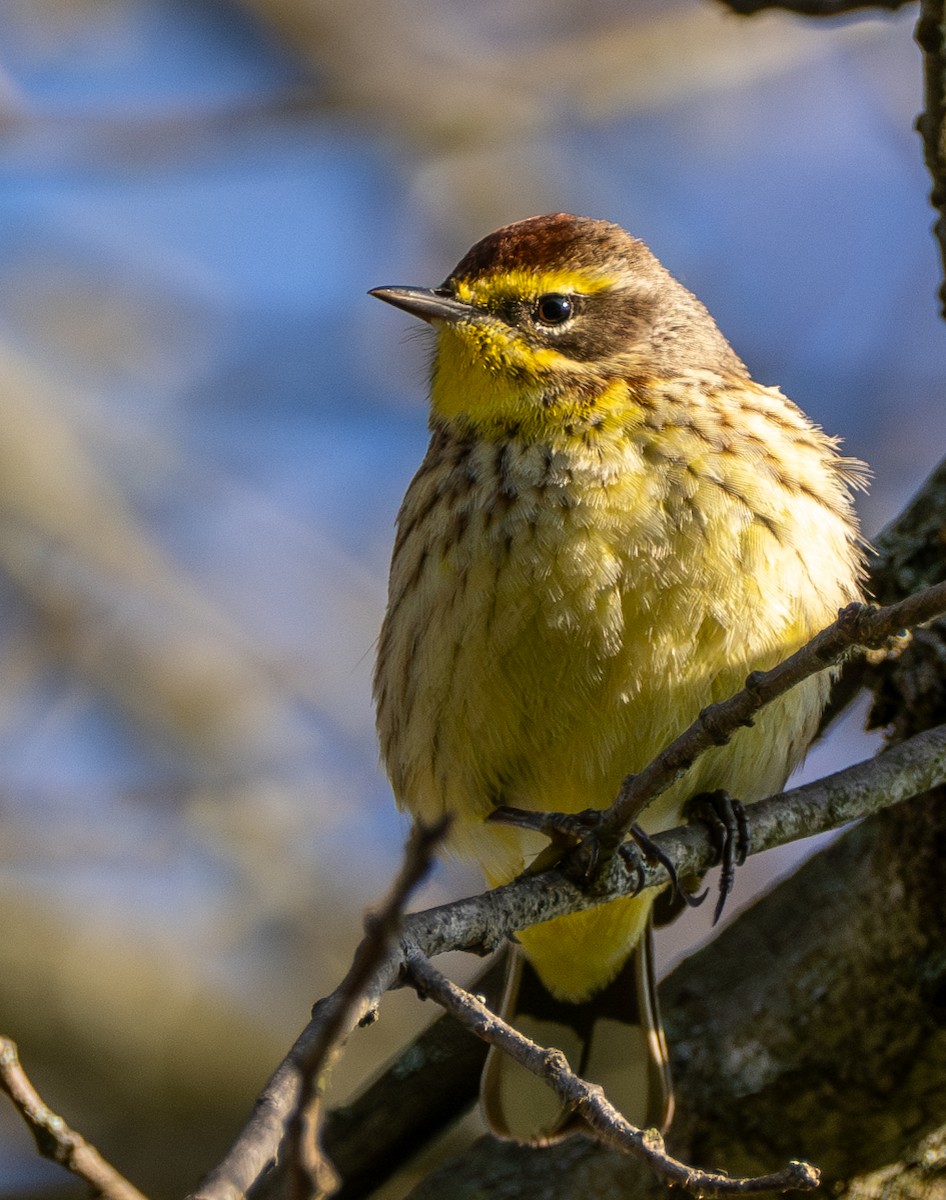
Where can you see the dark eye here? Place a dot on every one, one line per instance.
(553, 309)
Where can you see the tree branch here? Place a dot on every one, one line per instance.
(427, 1088)
(54, 1139)
(486, 920)
(590, 1102)
(857, 625)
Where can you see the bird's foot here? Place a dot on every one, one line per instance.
(574, 835)
(575, 844)
(727, 823)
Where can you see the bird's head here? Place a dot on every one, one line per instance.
(556, 320)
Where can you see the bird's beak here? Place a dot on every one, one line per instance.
(425, 303)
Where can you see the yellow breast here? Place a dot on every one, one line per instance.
(560, 608)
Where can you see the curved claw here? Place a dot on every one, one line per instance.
(631, 857)
(726, 818)
(653, 851)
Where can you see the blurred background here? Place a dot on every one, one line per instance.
(206, 427)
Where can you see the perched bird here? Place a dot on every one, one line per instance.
(613, 525)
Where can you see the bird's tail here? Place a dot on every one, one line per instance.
(615, 1039)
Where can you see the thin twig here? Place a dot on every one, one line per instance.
(857, 625)
(291, 1103)
(311, 1174)
(54, 1139)
(590, 1102)
(421, 1093)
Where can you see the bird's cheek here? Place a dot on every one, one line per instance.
(476, 377)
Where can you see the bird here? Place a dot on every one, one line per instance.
(613, 525)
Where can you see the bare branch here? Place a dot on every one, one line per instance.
(590, 1102)
(311, 1174)
(54, 1139)
(428, 1087)
(857, 625)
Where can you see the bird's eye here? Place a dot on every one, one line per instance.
(553, 309)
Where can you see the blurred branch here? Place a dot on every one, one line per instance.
(812, 8)
(484, 94)
(474, 89)
(148, 138)
(54, 1139)
(303, 1075)
(917, 1173)
(113, 602)
(424, 1090)
(475, 111)
(931, 37)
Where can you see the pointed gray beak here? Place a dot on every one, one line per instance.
(425, 303)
